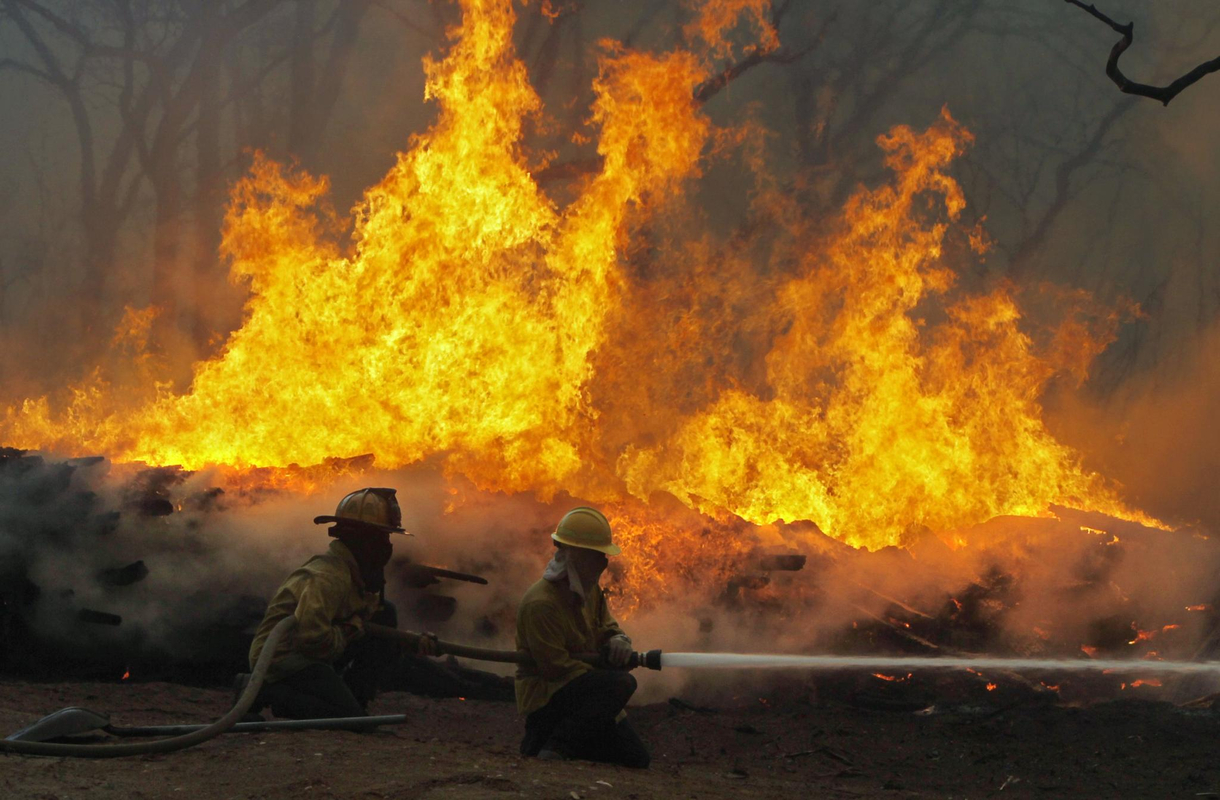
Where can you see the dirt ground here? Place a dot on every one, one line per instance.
(789, 745)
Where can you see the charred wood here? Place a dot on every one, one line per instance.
(134, 572)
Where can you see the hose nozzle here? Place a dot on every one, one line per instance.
(651, 660)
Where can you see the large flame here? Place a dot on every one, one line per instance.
(874, 419)
(472, 316)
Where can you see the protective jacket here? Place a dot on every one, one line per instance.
(553, 623)
(323, 593)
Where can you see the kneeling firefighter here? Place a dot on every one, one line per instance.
(575, 710)
(326, 667)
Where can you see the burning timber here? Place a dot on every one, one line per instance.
(59, 619)
(76, 513)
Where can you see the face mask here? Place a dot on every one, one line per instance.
(372, 554)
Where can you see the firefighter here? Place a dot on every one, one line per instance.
(573, 709)
(326, 668)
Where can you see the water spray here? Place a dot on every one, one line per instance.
(871, 663)
(656, 659)
(652, 659)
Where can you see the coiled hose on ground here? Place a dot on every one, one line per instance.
(175, 742)
(651, 659)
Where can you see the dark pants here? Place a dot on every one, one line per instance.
(322, 691)
(578, 721)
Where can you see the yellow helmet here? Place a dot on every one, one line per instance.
(588, 528)
(375, 508)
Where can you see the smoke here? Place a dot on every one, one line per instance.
(1043, 585)
(1158, 435)
(1019, 587)
(211, 553)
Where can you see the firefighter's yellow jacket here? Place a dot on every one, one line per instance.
(553, 623)
(323, 593)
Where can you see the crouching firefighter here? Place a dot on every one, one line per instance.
(326, 667)
(573, 709)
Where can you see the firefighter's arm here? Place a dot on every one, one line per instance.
(615, 644)
(544, 639)
(317, 636)
(353, 627)
(607, 625)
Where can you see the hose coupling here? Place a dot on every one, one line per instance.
(651, 660)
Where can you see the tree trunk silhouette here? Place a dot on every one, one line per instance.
(315, 91)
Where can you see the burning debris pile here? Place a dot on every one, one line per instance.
(749, 410)
(77, 601)
(153, 573)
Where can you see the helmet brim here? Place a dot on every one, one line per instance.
(323, 520)
(609, 549)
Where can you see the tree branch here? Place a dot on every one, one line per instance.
(14, 64)
(710, 87)
(1065, 190)
(757, 55)
(59, 23)
(70, 88)
(1125, 84)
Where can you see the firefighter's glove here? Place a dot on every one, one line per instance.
(618, 650)
(427, 645)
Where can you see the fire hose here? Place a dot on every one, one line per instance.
(257, 676)
(200, 734)
(650, 659)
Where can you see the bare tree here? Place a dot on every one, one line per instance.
(157, 65)
(151, 87)
(107, 192)
(1164, 93)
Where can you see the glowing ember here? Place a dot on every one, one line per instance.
(1142, 636)
(991, 687)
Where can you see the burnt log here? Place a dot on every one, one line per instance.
(134, 572)
(92, 617)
